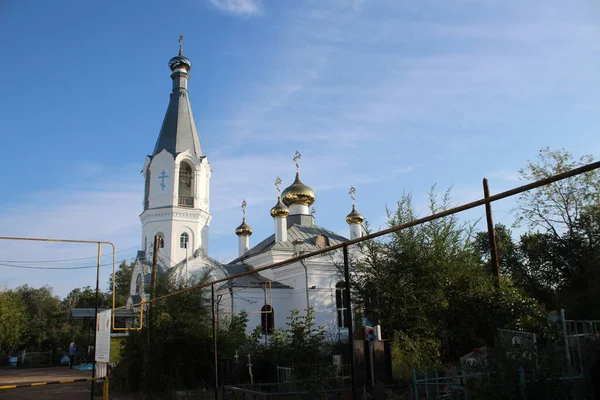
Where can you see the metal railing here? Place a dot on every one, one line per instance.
(186, 201)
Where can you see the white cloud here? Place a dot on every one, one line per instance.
(238, 7)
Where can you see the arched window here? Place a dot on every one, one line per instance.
(322, 241)
(138, 284)
(267, 318)
(161, 241)
(342, 302)
(183, 241)
(147, 191)
(186, 176)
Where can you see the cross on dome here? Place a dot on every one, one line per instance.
(277, 184)
(297, 157)
(244, 229)
(352, 192)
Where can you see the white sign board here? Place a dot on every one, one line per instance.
(103, 329)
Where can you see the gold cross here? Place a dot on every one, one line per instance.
(297, 157)
(244, 208)
(277, 183)
(351, 193)
(180, 40)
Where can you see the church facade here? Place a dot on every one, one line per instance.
(176, 218)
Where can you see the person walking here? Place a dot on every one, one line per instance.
(72, 351)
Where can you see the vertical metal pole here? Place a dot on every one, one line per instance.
(350, 324)
(153, 278)
(416, 391)
(580, 363)
(491, 234)
(96, 318)
(214, 335)
(564, 329)
(264, 314)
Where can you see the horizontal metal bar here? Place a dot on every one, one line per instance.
(432, 217)
(62, 382)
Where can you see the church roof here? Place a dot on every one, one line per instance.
(307, 233)
(253, 280)
(178, 132)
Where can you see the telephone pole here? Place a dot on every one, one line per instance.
(153, 279)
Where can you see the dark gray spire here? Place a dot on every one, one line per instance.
(178, 132)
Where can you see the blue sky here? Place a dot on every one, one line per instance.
(383, 95)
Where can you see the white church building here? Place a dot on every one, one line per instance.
(177, 211)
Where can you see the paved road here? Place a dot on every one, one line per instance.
(18, 375)
(67, 391)
(70, 391)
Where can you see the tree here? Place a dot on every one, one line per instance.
(555, 208)
(528, 261)
(429, 289)
(85, 297)
(13, 321)
(178, 353)
(122, 282)
(45, 315)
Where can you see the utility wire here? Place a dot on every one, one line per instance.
(52, 268)
(53, 261)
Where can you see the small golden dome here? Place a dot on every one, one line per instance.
(279, 210)
(244, 229)
(354, 217)
(298, 193)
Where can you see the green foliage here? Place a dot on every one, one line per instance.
(301, 346)
(175, 348)
(85, 297)
(13, 321)
(555, 208)
(428, 287)
(410, 352)
(122, 278)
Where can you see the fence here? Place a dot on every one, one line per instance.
(323, 246)
(24, 357)
(278, 391)
(435, 386)
(581, 343)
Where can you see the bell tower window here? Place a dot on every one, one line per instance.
(186, 178)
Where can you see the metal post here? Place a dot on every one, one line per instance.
(153, 278)
(96, 318)
(105, 389)
(416, 391)
(564, 329)
(491, 234)
(214, 335)
(264, 315)
(350, 324)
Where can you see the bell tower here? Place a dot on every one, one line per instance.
(177, 179)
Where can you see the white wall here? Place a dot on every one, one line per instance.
(164, 215)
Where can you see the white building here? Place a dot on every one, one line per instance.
(177, 213)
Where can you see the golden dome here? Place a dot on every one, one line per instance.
(354, 217)
(244, 229)
(279, 210)
(298, 193)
